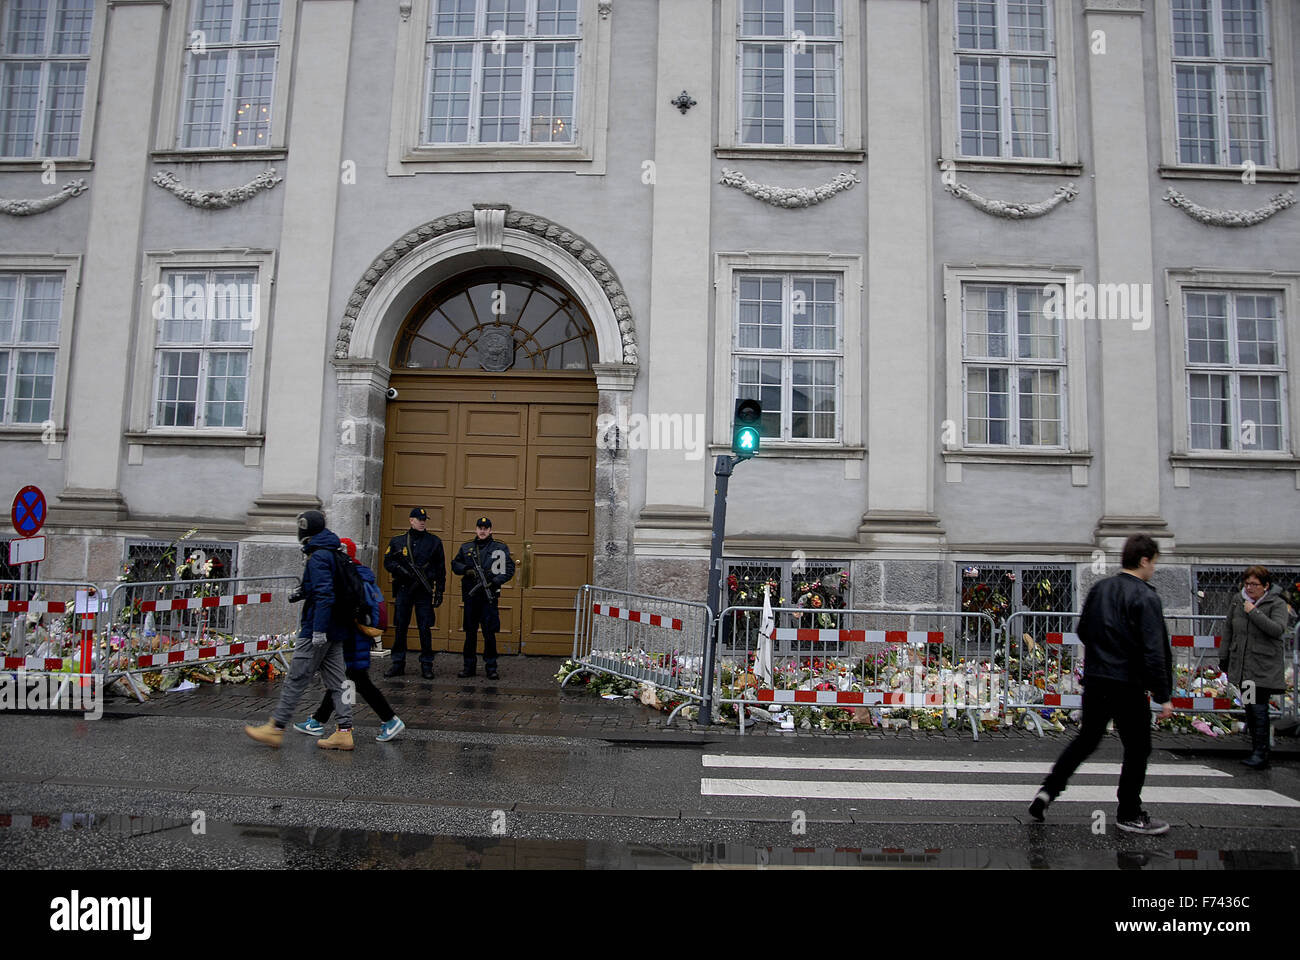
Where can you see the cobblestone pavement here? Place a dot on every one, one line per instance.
(528, 699)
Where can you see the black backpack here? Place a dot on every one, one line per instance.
(350, 590)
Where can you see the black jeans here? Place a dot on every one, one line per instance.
(1126, 704)
(417, 598)
(475, 607)
(369, 693)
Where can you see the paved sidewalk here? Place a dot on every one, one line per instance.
(527, 699)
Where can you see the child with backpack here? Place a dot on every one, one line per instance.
(356, 653)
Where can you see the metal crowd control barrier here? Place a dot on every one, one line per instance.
(47, 628)
(1044, 659)
(1044, 663)
(654, 640)
(886, 659)
(162, 624)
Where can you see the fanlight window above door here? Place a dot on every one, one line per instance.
(497, 320)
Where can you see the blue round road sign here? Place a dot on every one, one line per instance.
(28, 513)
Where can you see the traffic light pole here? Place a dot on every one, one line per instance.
(722, 467)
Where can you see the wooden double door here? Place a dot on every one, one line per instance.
(520, 450)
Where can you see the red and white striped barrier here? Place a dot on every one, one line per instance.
(1195, 642)
(38, 664)
(148, 660)
(1069, 701)
(202, 603)
(802, 635)
(851, 698)
(636, 616)
(1063, 639)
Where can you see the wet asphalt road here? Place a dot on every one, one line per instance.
(69, 788)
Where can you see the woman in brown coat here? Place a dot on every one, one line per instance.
(1252, 652)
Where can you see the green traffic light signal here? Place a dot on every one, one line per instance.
(746, 432)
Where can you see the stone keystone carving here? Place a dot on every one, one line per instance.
(25, 208)
(1013, 209)
(1230, 218)
(788, 197)
(217, 199)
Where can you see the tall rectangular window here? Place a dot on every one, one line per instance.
(788, 352)
(1236, 370)
(1006, 79)
(31, 307)
(44, 60)
(1223, 82)
(231, 56)
(501, 71)
(791, 56)
(204, 348)
(1013, 359)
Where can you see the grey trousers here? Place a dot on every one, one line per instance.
(328, 659)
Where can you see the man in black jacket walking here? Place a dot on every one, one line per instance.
(1127, 653)
(419, 570)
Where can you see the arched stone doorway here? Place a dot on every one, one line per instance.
(518, 372)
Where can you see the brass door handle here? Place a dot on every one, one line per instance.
(528, 564)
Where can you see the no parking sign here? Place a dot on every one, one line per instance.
(28, 513)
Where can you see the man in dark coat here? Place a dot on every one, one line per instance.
(325, 626)
(419, 569)
(481, 561)
(1126, 653)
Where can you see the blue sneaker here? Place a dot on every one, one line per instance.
(310, 727)
(390, 729)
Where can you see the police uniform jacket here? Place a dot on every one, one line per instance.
(425, 555)
(492, 554)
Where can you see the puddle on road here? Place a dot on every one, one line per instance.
(327, 847)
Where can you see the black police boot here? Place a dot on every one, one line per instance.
(395, 669)
(1259, 731)
(492, 673)
(469, 671)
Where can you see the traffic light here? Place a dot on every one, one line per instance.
(746, 432)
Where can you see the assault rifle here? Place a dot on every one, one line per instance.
(483, 583)
(409, 559)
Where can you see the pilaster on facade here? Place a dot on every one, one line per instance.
(1130, 437)
(677, 341)
(299, 338)
(101, 341)
(900, 395)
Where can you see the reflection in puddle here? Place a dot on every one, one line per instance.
(328, 847)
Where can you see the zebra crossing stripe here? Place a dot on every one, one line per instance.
(982, 792)
(1025, 767)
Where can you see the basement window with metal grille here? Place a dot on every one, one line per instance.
(149, 561)
(1001, 589)
(817, 586)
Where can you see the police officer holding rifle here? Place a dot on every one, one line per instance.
(485, 566)
(419, 569)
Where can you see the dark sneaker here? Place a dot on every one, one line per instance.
(1039, 806)
(1143, 823)
(395, 670)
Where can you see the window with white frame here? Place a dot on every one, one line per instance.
(791, 62)
(1006, 66)
(788, 352)
(1013, 367)
(229, 75)
(501, 71)
(31, 308)
(206, 321)
(44, 62)
(1236, 370)
(1223, 82)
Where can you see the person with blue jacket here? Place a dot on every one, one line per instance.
(326, 626)
(356, 652)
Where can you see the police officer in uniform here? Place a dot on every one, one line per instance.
(492, 559)
(419, 569)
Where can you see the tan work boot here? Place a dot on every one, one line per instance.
(340, 739)
(268, 733)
